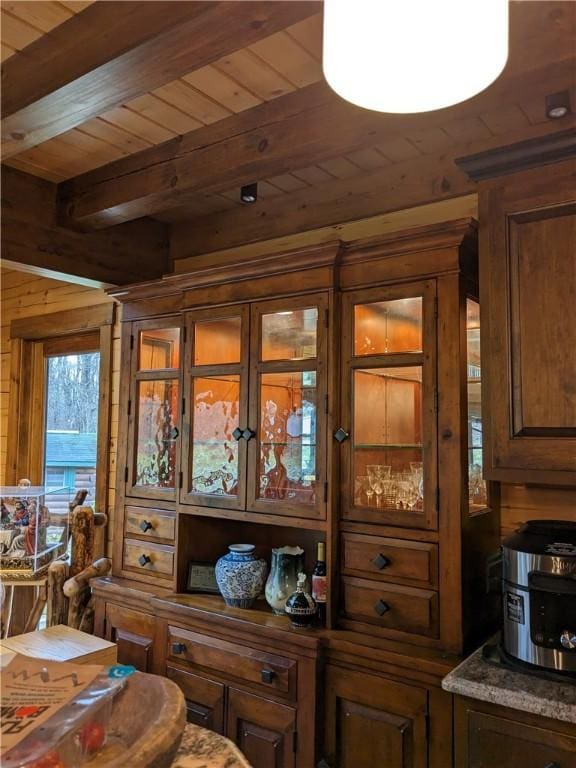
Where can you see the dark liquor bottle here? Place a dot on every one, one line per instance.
(319, 583)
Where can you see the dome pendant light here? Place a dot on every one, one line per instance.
(407, 56)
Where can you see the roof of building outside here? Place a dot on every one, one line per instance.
(70, 449)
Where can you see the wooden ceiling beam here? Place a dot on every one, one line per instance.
(115, 51)
(231, 155)
(415, 182)
(32, 240)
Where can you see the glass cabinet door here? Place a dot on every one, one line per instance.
(388, 435)
(154, 409)
(288, 391)
(477, 491)
(216, 426)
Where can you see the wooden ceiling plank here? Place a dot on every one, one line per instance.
(287, 182)
(203, 109)
(254, 74)
(368, 159)
(6, 51)
(138, 125)
(114, 135)
(414, 182)
(468, 129)
(340, 167)
(506, 119)
(430, 140)
(77, 6)
(313, 175)
(17, 33)
(42, 15)
(164, 114)
(289, 59)
(308, 34)
(96, 61)
(398, 149)
(227, 92)
(22, 163)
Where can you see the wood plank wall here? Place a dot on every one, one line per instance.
(533, 502)
(26, 295)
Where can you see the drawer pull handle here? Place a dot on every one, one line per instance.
(237, 434)
(381, 562)
(340, 435)
(146, 525)
(381, 607)
(267, 675)
(178, 648)
(248, 434)
(144, 560)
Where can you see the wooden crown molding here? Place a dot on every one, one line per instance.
(521, 156)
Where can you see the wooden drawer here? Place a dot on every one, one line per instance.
(392, 606)
(403, 562)
(145, 557)
(264, 670)
(508, 744)
(149, 523)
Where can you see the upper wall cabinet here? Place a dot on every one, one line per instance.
(255, 388)
(528, 288)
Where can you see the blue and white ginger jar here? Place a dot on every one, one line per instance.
(241, 575)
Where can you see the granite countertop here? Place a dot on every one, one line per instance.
(480, 679)
(201, 748)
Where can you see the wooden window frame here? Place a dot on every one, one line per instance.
(32, 340)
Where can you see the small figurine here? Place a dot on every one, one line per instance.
(21, 513)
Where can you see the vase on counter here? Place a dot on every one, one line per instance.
(300, 606)
(287, 563)
(240, 575)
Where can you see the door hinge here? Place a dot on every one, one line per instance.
(326, 404)
(295, 741)
(129, 407)
(180, 479)
(438, 499)
(435, 307)
(326, 491)
(125, 474)
(427, 727)
(184, 334)
(131, 341)
(326, 317)
(183, 406)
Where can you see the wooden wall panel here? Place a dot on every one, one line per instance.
(532, 502)
(25, 295)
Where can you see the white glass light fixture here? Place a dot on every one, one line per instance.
(413, 55)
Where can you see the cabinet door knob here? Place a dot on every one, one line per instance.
(381, 607)
(248, 434)
(381, 562)
(178, 648)
(145, 525)
(267, 675)
(144, 560)
(237, 434)
(340, 435)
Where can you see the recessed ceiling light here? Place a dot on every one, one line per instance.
(558, 105)
(249, 193)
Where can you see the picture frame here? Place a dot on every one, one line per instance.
(202, 578)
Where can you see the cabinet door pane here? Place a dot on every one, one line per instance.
(290, 335)
(157, 403)
(387, 438)
(159, 348)
(216, 404)
(288, 437)
(218, 341)
(383, 327)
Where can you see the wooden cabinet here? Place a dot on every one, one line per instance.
(134, 634)
(488, 736)
(528, 283)
(264, 730)
(255, 388)
(371, 721)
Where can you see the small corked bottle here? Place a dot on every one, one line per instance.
(300, 606)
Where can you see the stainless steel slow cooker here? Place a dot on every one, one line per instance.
(539, 594)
